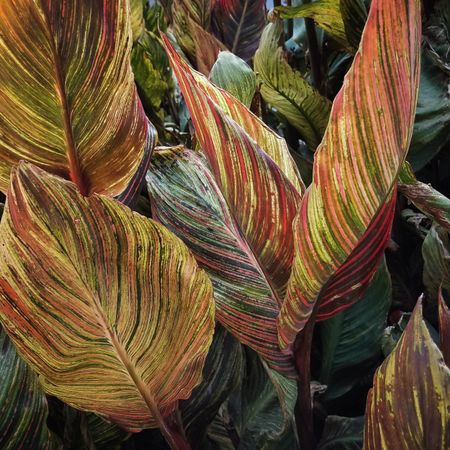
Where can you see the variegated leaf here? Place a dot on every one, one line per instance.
(189, 201)
(287, 91)
(67, 97)
(108, 307)
(346, 215)
(199, 92)
(444, 328)
(408, 406)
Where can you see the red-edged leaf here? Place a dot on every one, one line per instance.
(239, 24)
(346, 215)
(68, 102)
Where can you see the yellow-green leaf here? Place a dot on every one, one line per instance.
(107, 306)
(408, 406)
(68, 102)
(287, 91)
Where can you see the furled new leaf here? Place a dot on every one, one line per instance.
(346, 215)
(351, 341)
(424, 197)
(108, 307)
(197, 87)
(410, 401)
(287, 91)
(239, 24)
(235, 76)
(189, 201)
(67, 97)
(23, 407)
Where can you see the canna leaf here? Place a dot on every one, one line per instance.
(410, 401)
(436, 257)
(287, 91)
(351, 340)
(342, 433)
(67, 96)
(23, 406)
(189, 201)
(239, 24)
(444, 328)
(194, 85)
(108, 307)
(346, 215)
(235, 76)
(326, 14)
(424, 197)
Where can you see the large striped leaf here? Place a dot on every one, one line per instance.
(239, 24)
(187, 199)
(67, 97)
(346, 215)
(196, 88)
(287, 91)
(410, 401)
(107, 306)
(23, 407)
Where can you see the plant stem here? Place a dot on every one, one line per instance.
(303, 408)
(314, 53)
(173, 432)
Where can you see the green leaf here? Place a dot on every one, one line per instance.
(23, 406)
(235, 76)
(351, 341)
(342, 433)
(287, 91)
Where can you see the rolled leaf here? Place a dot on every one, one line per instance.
(346, 215)
(239, 24)
(424, 197)
(287, 91)
(195, 87)
(23, 406)
(444, 328)
(188, 200)
(108, 307)
(410, 400)
(235, 76)
(68, 99)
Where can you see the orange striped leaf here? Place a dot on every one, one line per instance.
(346, 215)
(408, 407)
(67, 97)
(108, 307)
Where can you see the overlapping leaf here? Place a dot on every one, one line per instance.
(287, 91)
(239, 24)
(187, 199)
(109, 307)
(23, 406)
(410, 400)
(424, 197)
(196, 88)
(68, 100)
(346, 215)
(235, 76)
(444, 328)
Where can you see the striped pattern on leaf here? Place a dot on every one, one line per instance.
(68, 102)
(409, 403)
(346, 215)
(239, 24)
(287, 91)
(23, 406)
(187, 199)
(444, 328)
(195, 87)
(108, 307)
